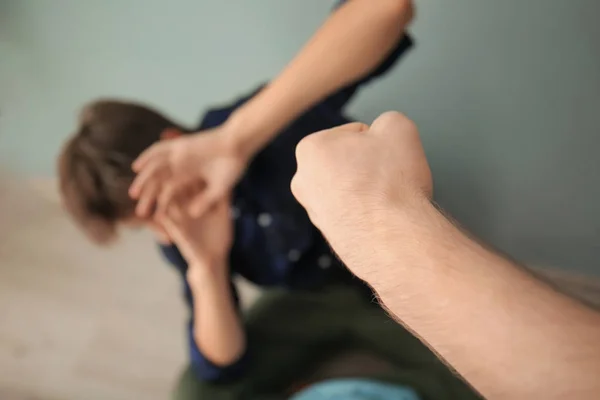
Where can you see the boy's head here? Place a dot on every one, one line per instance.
(95, 164)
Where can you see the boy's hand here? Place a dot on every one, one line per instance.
(203, 241)
(209, 160)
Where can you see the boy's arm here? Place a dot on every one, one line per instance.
(352, 42)
(348, 46)
(217, 328)
(216, 336)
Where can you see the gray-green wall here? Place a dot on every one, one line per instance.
(506, 94)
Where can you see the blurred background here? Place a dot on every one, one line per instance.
(506, 95)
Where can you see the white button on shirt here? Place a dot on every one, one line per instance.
(264, 220)
(294, 255)
(324, 261)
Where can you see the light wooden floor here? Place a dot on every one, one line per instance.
(78, 322)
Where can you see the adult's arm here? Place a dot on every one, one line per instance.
(509, 335)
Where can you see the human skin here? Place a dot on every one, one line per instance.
(511, 336)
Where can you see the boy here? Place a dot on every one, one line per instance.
(265, 236)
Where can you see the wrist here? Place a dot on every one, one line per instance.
(252, 126)
(201, 273)
(240, 136)
(398, 232)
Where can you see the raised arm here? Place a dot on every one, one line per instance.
(350, 44)
(508, 334)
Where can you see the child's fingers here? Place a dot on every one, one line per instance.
(180, 192)
(224, 205)
(150, 172)
(203, 201)
(161, 233)
(166, 223)
(147, 200)
(168, 194)
(172, 221)
(156, 150)
(175, 213)
(192, 190)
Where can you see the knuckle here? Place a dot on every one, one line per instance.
(394, 120)
(300, 191)
(305, 148)
(296, 187)
(391, 117)
(353, 127)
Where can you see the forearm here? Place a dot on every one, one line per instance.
(506, 333)
(218, 330)
(349, 45)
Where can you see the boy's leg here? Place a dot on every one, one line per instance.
(289, 334)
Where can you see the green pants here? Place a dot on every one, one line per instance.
(292, 334)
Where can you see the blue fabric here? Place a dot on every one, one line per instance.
(275, 244)
(356, 389)
(208, 371)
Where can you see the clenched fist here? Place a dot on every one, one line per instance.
(354, 180)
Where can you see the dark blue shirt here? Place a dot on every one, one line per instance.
(275, 244)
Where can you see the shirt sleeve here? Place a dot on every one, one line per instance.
(203, 368)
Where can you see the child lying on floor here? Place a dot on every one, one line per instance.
(260, 233)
